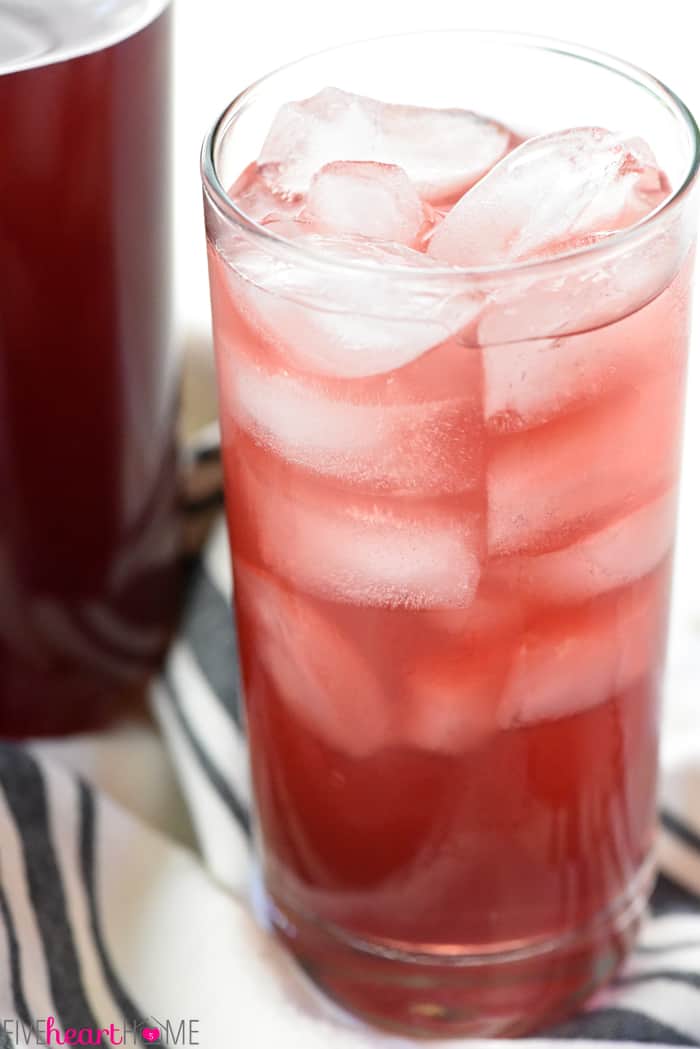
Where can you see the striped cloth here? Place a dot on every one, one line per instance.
(125, 914)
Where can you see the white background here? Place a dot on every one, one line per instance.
(222, 46)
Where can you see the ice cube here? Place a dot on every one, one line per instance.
(569, 664)
(377, 552)
(361, 436)
(549, 485)
(615, 555)
(551, 194)
(443, 151)
(451, 705)
(306, 135)
(253, 196)
(591, 291)
(527, 383)
(496, 612)
(341, 306)
(455, 678)
(313, 667)
(367, 199)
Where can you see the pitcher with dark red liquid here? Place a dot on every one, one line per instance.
(88, 379)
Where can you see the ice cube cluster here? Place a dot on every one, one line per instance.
(435, 424)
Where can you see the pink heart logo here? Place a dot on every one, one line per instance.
(150, 1034)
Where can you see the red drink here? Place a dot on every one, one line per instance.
(87, 379)
(451, 510)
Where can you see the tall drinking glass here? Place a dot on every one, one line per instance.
(88, 377)
(451, 498)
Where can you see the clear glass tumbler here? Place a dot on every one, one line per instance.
(452, 546)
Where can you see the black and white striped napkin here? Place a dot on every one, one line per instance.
(125, 915)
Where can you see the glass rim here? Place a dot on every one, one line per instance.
(218, 195)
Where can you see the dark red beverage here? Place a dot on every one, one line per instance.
(87, 378)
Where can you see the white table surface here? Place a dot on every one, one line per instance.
(222, 46)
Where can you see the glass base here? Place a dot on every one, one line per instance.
(488, 994)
